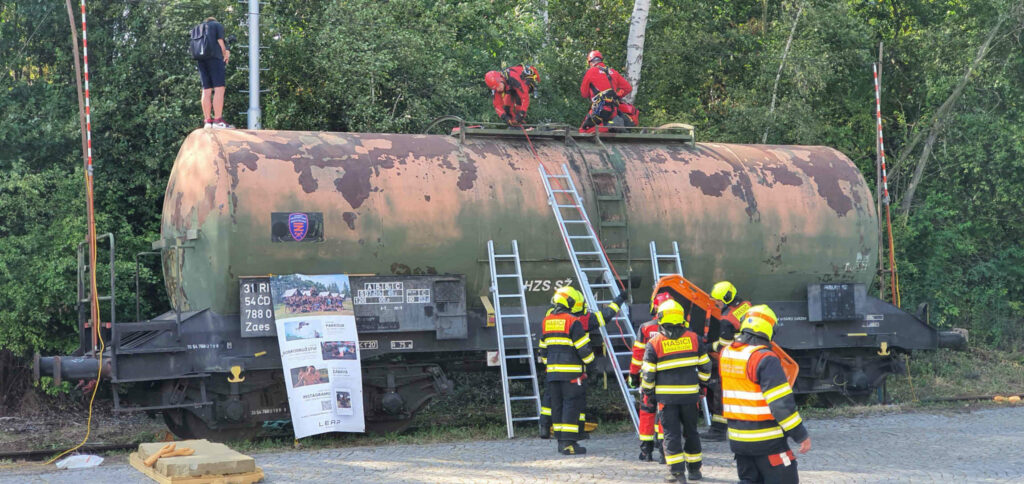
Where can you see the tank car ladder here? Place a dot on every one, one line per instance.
(668, 259)
(514, 315)
(588, 259)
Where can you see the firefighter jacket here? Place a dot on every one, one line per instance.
(730, 322)
(564, 346)
(757, 399)
(515, 100)
(674, 368)
(600, 78)
(647, 330)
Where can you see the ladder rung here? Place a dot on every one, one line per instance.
(504, 256)
(508, 295)
(580, 237)
(517, 315)
(622, 353)
(516, 336)
(523, 419)
(592, 269)
(602, 285)
(523, 377)
(516, 356)
(531, 397)
(573, 221)
(506, 275)
(562, 191)
(588, 253)
(556, 176)
(560, 205)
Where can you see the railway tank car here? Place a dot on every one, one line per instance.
(791, 225)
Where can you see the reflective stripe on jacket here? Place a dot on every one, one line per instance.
(757, 401)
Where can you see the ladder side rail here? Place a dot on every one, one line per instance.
(501, 338)
(532, 365)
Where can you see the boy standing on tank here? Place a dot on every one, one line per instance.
(212, 72)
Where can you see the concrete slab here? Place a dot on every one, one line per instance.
(210, 458)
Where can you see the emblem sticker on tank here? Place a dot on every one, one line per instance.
(296, 227)
(401, 345)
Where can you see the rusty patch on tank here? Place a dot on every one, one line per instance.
(782, 175)
(712, 185)
(400, 269)
(827, 171)
(467, 174)
(742, 187)
(350, 219)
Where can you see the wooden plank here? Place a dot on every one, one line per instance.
(244, 478)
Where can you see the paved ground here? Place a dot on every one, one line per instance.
(984, 446)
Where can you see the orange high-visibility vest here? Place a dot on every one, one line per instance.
(741, 397)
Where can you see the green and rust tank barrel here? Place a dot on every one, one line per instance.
(772, 219)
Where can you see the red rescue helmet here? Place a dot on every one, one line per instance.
(595, 54)
(658, 299)
(495, 80)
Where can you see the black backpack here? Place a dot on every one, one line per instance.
(200, 44)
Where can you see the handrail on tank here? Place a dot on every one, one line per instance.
(552, 130)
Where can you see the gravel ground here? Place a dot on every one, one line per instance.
(982, 446)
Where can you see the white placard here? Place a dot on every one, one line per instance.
(316, 330)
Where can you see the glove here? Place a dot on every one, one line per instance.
(506, 117)
(520, 117)
(621, 298)
(634, 380)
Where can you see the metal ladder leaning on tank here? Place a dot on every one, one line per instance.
(657, 259)
(581, 241)
(519, 330)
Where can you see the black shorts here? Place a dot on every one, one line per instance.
(211, 73)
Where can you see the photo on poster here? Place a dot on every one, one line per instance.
(307, 375)
(296, 330)
(343, 399)
(320, 295)
(339, 350)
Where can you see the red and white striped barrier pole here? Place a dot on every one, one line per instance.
(885, 188)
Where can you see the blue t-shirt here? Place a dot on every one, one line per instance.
(215, 31)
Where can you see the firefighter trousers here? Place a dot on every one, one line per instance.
(648, 425)
(682, 443)
(714, 395)
(759, 470)
(568, 399)
(545, 412)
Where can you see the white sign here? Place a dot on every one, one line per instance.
(320, 358)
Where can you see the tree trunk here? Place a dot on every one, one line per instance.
(940, 118)
(545, 20)
(775, 88)
(635, 45)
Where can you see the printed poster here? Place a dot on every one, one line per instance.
(316, 330)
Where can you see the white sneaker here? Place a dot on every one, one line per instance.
(207, 125)
(222, 125)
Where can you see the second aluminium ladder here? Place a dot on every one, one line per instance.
(673, 258)
(590, 261)
(513, 325)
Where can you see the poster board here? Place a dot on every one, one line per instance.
(316, 331)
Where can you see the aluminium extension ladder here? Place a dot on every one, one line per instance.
(513, 324)
(588, 260)
(669, 259)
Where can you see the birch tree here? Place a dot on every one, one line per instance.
(635, 45)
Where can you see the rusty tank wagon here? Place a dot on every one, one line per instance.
(793, 226)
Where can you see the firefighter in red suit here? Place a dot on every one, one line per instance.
(650, 431)
(720, 335)
(605, 88)
(512, 88)
(676, 365)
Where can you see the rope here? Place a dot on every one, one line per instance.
(590, 227)
(94, 306)
(893, 278)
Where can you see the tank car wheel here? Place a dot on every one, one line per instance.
(186, 425)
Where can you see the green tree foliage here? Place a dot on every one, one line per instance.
(392, 66)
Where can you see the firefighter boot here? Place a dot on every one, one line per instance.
(694, 473)
(676, 476)
(545, 429)
(715, 434)
(646, 451)
(569, 447)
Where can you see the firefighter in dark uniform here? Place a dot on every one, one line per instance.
(592, 323)
(733, 308)
(649, 429)
(675, 366)
(759, 404)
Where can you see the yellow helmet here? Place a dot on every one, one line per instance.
(569, 298)
(724, 291)
(670, 312)
(759, 320)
